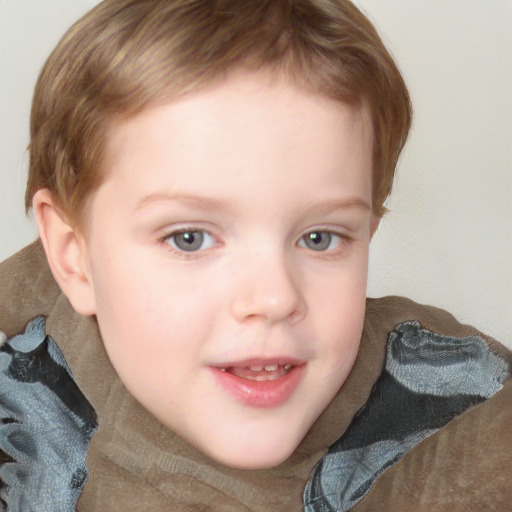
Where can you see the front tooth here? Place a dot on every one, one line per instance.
(271, 367)
(267, 378)
(255, 368)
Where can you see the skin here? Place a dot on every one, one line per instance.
(252, 166)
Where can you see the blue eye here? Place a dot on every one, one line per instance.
(320, 241)
(190, 241)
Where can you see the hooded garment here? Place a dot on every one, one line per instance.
(423, 422)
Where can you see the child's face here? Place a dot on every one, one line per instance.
(227, 256)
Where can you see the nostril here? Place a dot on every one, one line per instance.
(270, 294)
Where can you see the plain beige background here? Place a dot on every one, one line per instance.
(448, 238)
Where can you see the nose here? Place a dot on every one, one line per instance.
(268, 290)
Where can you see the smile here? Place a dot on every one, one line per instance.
(260, 383)
(259, 373)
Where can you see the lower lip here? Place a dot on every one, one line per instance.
(269, 393)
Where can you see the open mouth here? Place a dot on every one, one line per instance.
(259, 373)
(261, 383)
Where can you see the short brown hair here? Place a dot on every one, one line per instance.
(126, 55)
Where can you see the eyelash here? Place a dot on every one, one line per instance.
(342, 240)
(172, 235)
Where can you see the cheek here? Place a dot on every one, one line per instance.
(148, 310)
(340, 295)
(129, 315)
(339, 310)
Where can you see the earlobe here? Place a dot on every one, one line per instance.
(66, 253)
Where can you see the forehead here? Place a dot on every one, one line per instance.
(250, 122)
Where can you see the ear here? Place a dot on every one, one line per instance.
(66, 252)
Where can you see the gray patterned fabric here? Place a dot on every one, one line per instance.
(428, 380)
(46, 425)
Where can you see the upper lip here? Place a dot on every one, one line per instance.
(260, 361)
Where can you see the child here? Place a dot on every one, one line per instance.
(206, 178)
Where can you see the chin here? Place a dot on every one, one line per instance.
(246, 462)
(251, 458)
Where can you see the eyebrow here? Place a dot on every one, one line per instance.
(332, 205)
(208, 203)
(212, 203)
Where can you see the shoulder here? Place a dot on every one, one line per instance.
(27, 289)
(434, 433)
(384, 314)
(45, 422)
(464, 466)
